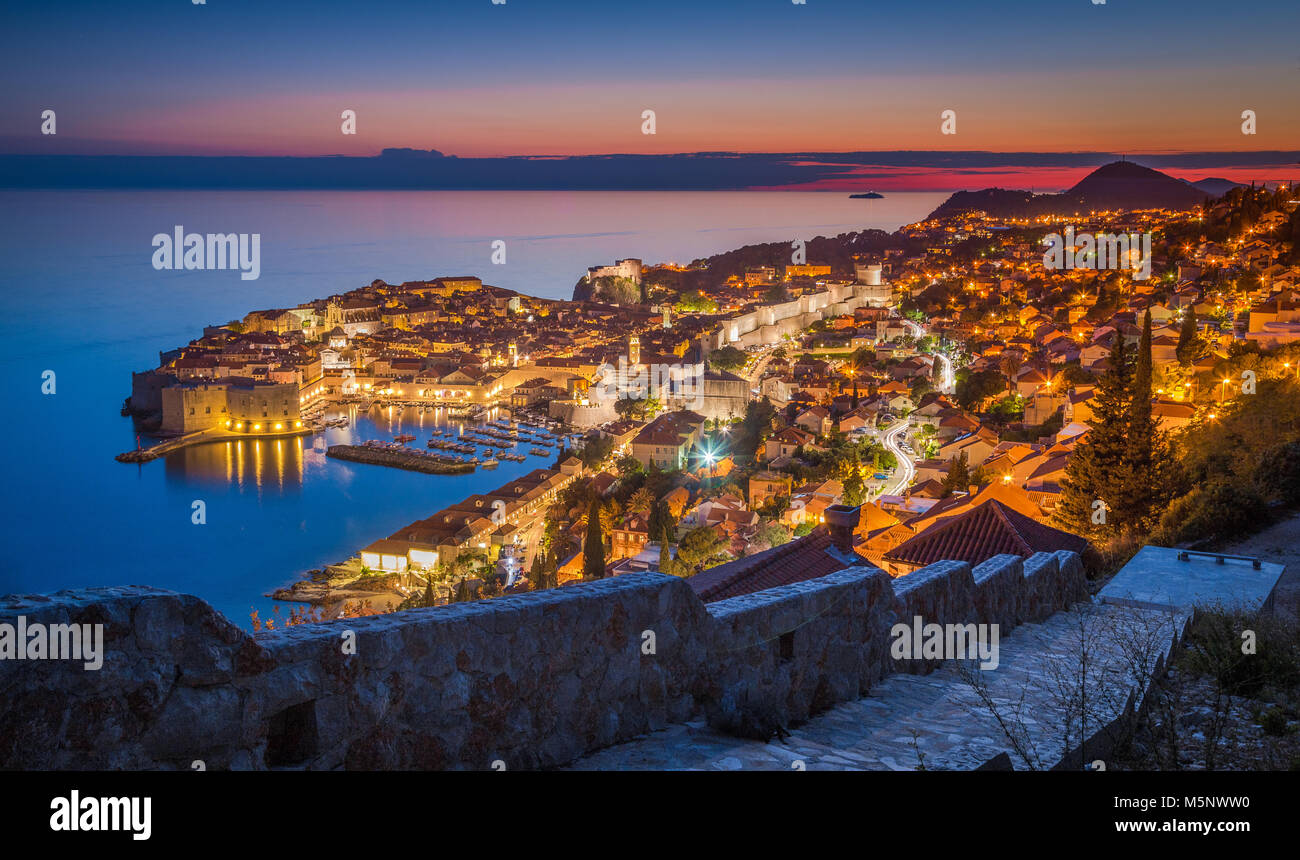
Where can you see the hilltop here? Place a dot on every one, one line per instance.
(1118, 185)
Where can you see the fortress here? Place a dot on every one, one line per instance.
(233, 403)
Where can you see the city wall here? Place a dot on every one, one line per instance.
(527, 681)
(770, 323)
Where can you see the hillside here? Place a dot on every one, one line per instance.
(1215, 186)
(1118, 185)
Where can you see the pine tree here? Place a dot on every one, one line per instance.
(958, 477)
(1096, 468)
(593, 548)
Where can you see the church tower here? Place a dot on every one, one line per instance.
(634, 351)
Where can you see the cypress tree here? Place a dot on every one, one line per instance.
(1146, 470)
(1096, 468)
(593, 548)
(1187, 337)
(667, 564)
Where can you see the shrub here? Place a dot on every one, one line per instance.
(1278, 473)
(1216, 508)
(1273, 721)
(1214, 649)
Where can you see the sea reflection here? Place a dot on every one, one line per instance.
(279, 464)
(260, 464)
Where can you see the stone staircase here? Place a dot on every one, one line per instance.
(1064, 689)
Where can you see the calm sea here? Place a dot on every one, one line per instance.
(79, 297)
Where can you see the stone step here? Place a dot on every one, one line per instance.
(955, 718)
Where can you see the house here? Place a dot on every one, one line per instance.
(897, 395)
(727, 502)
(765, 486)
(1172, 415)
(815, 419)
(630, 536)
(1077, 408)
(858, 420)
(825, 550)
(667, 441)
(1030, 382)
(779, 389)
(977, 447)
(785, 442)
(977, 535)
(808, 503)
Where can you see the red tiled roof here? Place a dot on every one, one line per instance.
(801, 559)
(980, 534)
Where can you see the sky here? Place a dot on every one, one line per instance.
(559, 77)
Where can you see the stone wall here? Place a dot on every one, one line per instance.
(770, 323)
(529, 681)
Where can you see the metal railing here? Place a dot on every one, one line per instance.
(1219, 558)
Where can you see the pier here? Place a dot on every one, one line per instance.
(199, 437)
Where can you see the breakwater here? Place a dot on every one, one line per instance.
(398, 458)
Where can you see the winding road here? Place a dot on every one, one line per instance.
(906, 471)
(949, 384)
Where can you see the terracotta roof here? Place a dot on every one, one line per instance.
(801, 559)
(980, 534)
